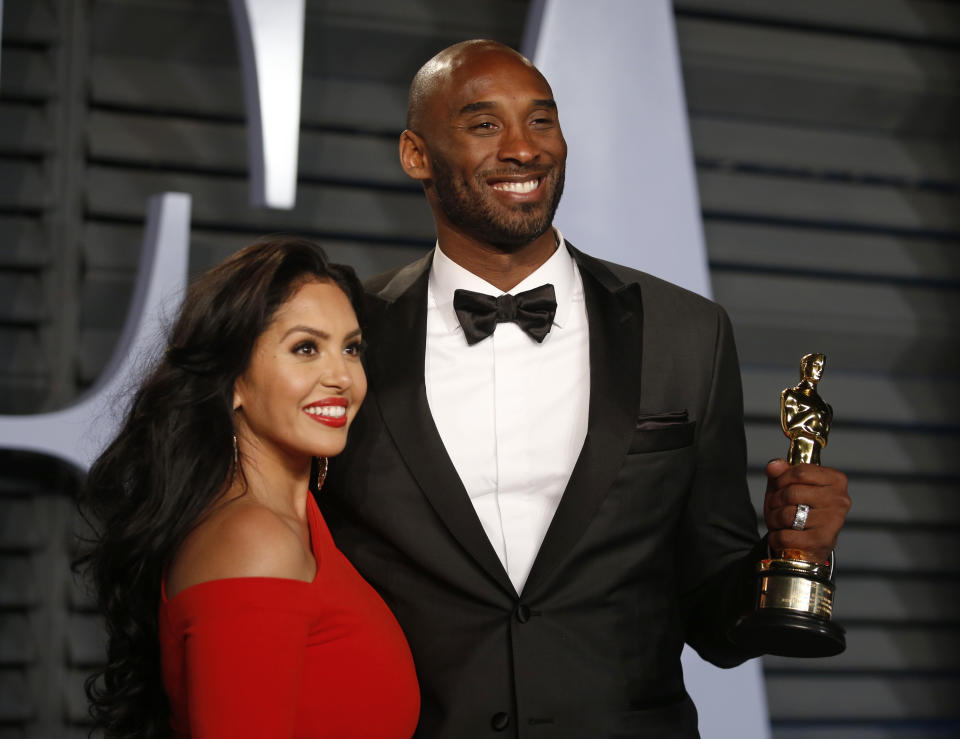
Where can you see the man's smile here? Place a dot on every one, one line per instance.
(523, 187)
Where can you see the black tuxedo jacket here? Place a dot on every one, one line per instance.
(651, 544)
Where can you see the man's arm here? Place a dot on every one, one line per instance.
(719, 542)
(719, 517)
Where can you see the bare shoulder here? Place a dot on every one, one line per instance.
(241, 539)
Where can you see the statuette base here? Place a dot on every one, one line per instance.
(791, 616)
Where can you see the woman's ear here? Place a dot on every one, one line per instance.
(413, 156)
(237, 397)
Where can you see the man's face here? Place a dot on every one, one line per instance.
(496, 151)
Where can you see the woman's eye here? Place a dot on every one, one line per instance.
(355, 349)
(305, 348)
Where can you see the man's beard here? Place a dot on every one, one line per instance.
(474, 210)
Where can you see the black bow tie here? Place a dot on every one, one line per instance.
(532, 310)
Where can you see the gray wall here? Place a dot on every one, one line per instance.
(828, 161)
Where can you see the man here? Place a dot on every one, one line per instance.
(553, 508)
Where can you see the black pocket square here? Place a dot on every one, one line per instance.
(657, 432)
(650, 421)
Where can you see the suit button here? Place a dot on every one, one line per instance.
(499, 721)
(523, 613)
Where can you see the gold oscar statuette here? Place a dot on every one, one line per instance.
(793, 601)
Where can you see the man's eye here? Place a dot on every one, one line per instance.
(305, 348)
(484, 126)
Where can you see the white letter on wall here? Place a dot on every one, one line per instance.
(270, 43)
(631, 190)
(78, 433)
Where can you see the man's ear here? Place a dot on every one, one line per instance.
(413, 156)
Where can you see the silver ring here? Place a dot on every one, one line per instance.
(800, 518)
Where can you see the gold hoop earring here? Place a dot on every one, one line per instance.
(322, 464)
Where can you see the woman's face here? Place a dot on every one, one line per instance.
(305, 382)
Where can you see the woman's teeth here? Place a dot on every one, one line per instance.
(330, 411)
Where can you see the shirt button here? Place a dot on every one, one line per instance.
(499, 721)
(523, 613)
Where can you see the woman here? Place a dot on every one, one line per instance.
(229, 611)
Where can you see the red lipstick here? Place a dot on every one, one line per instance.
(328, 411)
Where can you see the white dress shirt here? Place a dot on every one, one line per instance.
(512, 413)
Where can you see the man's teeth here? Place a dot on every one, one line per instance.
(528, 186)
(330, 411)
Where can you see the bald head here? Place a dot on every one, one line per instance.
(434, 76)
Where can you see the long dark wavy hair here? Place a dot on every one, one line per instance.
(171, 459)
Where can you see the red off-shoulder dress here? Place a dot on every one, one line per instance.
(268, 657)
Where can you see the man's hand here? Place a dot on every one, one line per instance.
(824, 489)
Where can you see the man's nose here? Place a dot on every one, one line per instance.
(518, 145)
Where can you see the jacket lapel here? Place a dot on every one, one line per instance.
(396, 364)
(615, 319)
